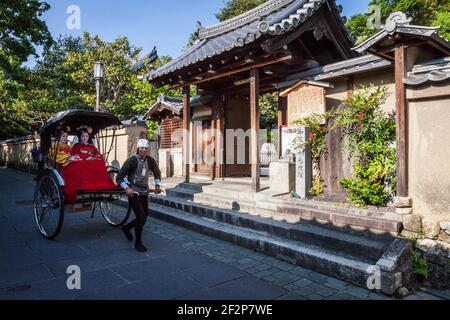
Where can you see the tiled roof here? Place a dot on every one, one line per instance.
(432, 71)
(273, 17)
(398, 22)
(174, 104)
(352, 66)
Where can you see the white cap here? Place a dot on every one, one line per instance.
(143, 143)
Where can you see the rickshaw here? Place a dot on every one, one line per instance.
(49, 201)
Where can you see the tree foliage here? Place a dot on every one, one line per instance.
(13, 115)
(63, 76)
(63, 79)
(423, 12)
(370, 137)
(21, 29)
(233, 8)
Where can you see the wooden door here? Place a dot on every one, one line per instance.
(206, 140)
(237, 116)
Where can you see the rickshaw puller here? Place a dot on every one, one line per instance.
(136, 170)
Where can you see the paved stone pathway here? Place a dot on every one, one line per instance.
(180, 264)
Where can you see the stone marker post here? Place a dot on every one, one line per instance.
(303, 164)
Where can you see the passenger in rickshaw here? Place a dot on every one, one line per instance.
(88, 174)
(63, 150)
(84, 149)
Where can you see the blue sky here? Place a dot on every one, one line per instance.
(165, 24)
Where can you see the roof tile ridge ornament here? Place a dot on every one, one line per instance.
(396, 22)
(396, 19)
(245, 18)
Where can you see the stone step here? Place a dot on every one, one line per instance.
(366, 249)
(382, 213)
(233, 191)
(293, 212)
(238, 191)
(389, 272)
(309, 256)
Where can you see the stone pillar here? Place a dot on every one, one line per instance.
(303, 165)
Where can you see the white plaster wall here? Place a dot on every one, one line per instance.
(429, 157)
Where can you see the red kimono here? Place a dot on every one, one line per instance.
(86, 151)
(83, 175)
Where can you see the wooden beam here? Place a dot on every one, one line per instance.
(239, 70)
(282, 120)
(305, 48)
(381, 55)
(186, 135)
(334, 32)
(406, 44)
(254, 125)
(401, 121)
(438, 47)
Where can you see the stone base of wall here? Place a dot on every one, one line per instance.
(437, 255)
(433, 246)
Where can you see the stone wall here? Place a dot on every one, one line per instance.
(426, 214)
(16, 153)
(429, 184)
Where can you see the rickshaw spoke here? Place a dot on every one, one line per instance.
(47, 206)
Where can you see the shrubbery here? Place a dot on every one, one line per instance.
(370, 137)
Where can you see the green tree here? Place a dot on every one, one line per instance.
(423, 12)
(234, 8)
(63, 78)
(13, 116)
(51, 85)
(268, 109)
(231, 9)
(21, 29)
(370, 139)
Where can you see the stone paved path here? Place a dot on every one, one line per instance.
(181, 264)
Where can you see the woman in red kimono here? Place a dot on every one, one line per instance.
(86, 175)
(84, 149)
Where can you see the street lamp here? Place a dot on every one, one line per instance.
(98, 75)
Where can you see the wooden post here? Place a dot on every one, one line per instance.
(254, 125)
(220, 135)
(282, 119)
(213, 140)
(195, 146)
(186, 135)
(402, 122)
(350, 86)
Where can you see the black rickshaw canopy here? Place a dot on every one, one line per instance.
(74, 119)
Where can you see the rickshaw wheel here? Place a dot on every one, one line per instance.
(114, 214)
(48, 206)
